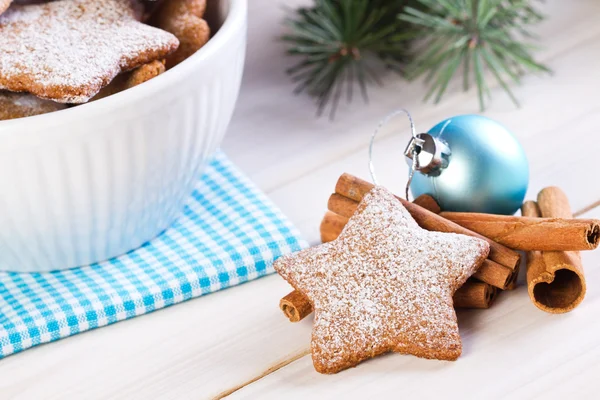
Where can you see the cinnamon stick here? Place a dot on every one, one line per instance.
(527, 233)
(295, 306)
(428, 203)
(496, 275)
(349, 205)
(355, 189)
(513, 280)
(331, 226)
(555, 279)
(490, 272)
(342, 205)
(472, 294)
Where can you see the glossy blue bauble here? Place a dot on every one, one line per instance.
(488, 170)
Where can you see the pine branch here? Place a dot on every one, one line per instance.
(337, 42)
(477, 34)
(341, 43)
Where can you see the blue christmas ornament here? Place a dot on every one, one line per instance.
(470, 163)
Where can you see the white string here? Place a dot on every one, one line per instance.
(414, 166)
(415, 151)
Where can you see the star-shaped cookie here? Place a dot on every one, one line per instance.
(383, 285)
(68, 50)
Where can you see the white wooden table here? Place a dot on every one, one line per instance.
(222, 341)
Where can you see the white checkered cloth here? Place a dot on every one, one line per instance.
(228, 233)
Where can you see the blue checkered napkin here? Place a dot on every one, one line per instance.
(228, 233)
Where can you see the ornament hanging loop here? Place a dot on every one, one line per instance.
(415, 146)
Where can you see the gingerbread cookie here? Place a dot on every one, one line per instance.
(383, 285)
(133, 78)
(183, 18)
(68, 50)
(19, 105)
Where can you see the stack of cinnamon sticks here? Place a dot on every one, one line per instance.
(547, 232)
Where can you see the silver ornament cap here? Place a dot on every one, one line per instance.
(427, 154)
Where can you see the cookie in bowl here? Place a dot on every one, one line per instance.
(73, 51)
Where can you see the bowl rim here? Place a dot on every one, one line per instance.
(234, 20)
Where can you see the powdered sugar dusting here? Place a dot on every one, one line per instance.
(385, 284)
(68, 50)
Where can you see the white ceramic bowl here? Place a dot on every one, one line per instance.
(95, 181)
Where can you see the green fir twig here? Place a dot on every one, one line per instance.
(341, 43)
(338, 43)
(484, 37)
